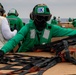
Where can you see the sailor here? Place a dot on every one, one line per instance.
(74, 22)
(5, 32)
(54, 21)
(14, 20)
(70, 19)
(36, 32)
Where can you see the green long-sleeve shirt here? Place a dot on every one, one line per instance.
(31, 36)
(74, 23)
(15, 22)
(55, 22)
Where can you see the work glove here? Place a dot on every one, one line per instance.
(2, 57)
(1, 54)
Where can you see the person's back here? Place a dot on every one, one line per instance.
(54, 21)
(5, 29)
(70, 20)
(14, 21)
(74, 22)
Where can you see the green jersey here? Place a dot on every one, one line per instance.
(74, 23)
(55, 22)
(15, 22)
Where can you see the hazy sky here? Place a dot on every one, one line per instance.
(62, 8)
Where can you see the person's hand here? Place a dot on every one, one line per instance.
(1, 54)
(2, 58)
